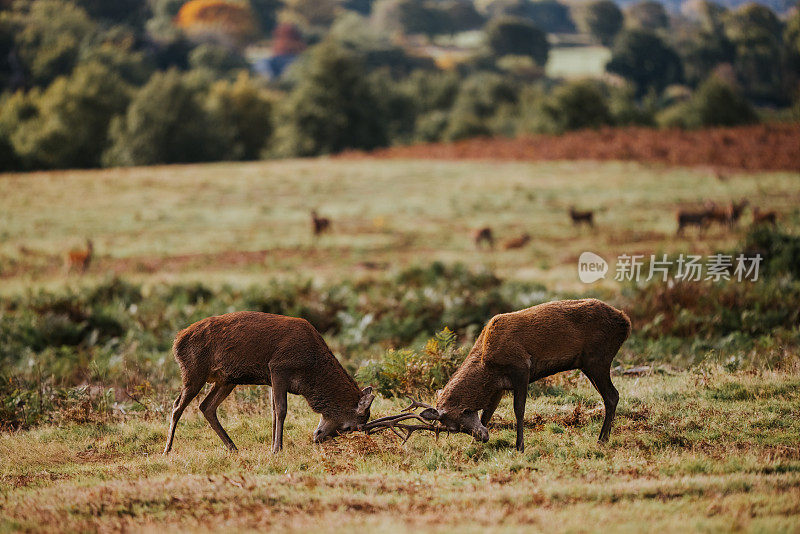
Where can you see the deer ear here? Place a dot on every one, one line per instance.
(365, 401)
(431, 414)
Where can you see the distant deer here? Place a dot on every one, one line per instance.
(717, 213)
(286, 353)
(688, 218)
(516, 242)
(79, 260)
(736, 210)
(483, 235)
(581, 217)
(319, 224)
(515, 349)
(764, 217)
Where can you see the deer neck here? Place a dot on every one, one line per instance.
(472, 386)
(334, 392)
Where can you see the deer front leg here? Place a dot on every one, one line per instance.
(519, 384)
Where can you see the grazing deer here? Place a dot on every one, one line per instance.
(286, 353)
(483, 235)
(319, 224)
(691, 218)
(581, 217)
(515, 349)
(516, 242)
(764, 217)
(79, 260)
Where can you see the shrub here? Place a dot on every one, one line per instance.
(409, 373)
(517, 37)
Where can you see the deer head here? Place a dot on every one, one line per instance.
(354, 419)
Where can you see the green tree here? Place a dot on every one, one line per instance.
(647, 15)
(644, 59)
(49, 38)
(480, 98)
(602, 19)
(518, 37)
(702, 52)
(15, 109)
(572, 106)
(331, 108)
(716, 103)
(246, 108)
(220, 60)
(756, 33)
(166, 123)
(70, 128)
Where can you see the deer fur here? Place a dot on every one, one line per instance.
(319, 225)
(483, 235)
(515, 349)
(286, 353)
(516, 242)
(79, 260)
(581, 217)
(764, 217)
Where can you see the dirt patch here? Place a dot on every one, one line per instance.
(769, 147)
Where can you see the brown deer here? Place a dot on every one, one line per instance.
(764, 217)
(688, 218)
(515, 349)
(483, 235)
(286, 353)
(716, 213)
(79, 260)
(516, 242)
(736, 210)
(319, 225)
(581, 217)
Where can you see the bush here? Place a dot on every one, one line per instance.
(167, 123)
(715, 103)
(409, 373)
(780, 250)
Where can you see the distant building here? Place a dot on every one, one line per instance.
(287, 44)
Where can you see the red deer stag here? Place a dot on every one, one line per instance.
(319, 225)
(286, 353)
(79, 260)
(581, 217)
(516, 242)
(515, 349)
(483, 235)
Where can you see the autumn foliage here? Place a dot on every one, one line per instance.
(227, 20)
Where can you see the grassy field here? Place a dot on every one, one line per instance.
(707, 439)
(703, 451)
(229, 222)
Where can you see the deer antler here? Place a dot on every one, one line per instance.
(416, 404)
(394, 422)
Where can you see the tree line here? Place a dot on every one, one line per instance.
(89, 83)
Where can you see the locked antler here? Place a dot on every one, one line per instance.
(395, 423)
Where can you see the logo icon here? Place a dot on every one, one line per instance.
(591, 267)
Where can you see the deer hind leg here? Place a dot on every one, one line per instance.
(601, 380)
(209, 408)
(188, 393)
(488, 412)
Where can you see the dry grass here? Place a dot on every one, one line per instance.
(697, 451)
